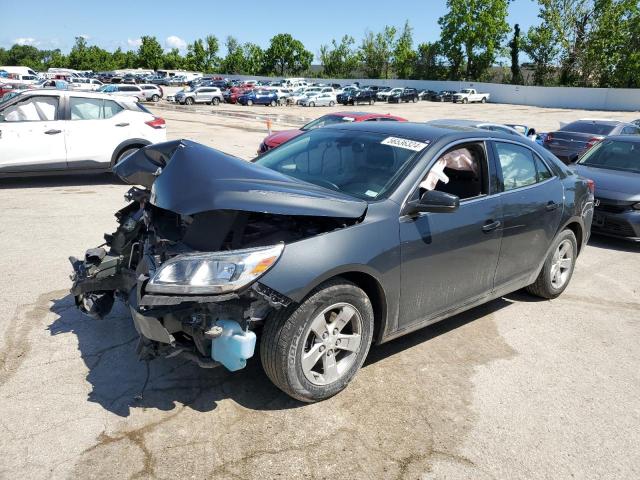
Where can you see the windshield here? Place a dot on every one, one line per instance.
(362, 164)
(588, 127)
(327, 120)
(614, 155)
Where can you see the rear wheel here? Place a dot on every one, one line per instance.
(312, 351)
(155, 97)
(558, 267)
(249, 103)
(484, 100)
(124, 154)
(331, 103)
(273, 103)
(312, 104)
(415, 99)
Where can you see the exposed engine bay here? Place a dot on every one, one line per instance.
(190, 277)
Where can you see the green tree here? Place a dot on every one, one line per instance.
(286, 55)
(339, 60)
(196, 58)
(472, 32)
(234, 62)
(376, 52)
(150, 53)
(428, 63)
(514, 47)
(541, 45)
(26, 55)
(254, 59)
(211, 59)
(79, 55)
(404, 57)
(173, 60)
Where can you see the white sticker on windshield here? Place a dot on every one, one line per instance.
(348, 119)
(404, 143)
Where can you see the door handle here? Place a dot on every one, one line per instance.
(123, 124)
(53, 131)
(551, 206)
(489, 227)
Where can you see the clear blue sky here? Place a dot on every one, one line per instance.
(116, 23)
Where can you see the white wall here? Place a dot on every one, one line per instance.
(616, 99)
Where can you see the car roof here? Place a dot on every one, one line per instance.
(412, 130)
(359, 116)
(75, 93)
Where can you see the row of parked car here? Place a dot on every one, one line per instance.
(216, 91)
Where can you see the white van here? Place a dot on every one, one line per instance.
(21, 75)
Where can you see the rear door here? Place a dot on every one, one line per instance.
(96, 126)
(532, 200)
(32, 135)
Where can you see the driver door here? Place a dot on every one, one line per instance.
(32, 135)
(449, 259)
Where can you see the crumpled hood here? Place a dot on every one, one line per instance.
(186, 177)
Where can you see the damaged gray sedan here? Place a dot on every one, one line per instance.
(344, 236)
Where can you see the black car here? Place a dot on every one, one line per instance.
(344, 236)
(575, 138)
(426, 94)
(443, 96)
(614, 165)
(407, 95)
(354, 97)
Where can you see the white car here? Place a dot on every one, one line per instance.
(152, 92)
(384, 95)
(91, 84)
(470, 95)
(326, 99)
(64, 131)
(124, 90)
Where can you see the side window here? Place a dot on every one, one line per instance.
(111, 108)
(85, 108)
(461, 171)
(630, 131)
(543, 171)
(33, 109)
(518, 166)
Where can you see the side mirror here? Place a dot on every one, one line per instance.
(433, 201)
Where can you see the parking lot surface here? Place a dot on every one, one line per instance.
(518, 388)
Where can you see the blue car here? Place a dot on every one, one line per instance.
(259, 97)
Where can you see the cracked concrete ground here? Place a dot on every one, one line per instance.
(516, 389)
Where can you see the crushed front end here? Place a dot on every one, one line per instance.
(191, 246)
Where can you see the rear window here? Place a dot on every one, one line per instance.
(593, 128)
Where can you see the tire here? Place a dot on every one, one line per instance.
(554, 278)
(331, 103)
(415, 99)
(273, 103)
(465, 100)
(484, 100)
(215, 101)
(125, 153)
(155, 97)
(370, 102)
(188, 101)
(289, 335)
(249, 103)
(311, 104)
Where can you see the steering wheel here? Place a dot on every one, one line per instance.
(331, 185)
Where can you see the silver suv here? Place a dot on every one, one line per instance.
(152, 92)
(124, 90)
(210, 95)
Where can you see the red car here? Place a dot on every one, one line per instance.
(278, 138)
(231, 95)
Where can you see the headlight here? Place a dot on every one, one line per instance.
(636, 206)
(214, 272)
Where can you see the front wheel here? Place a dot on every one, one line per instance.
(465, 100)
(331, 103)
(188, 101)
(155, 97)
(273, 103)
(312, 104)
(558, 267)
(313, 350)
(249, 103)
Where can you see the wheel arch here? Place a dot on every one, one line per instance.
(130, 143)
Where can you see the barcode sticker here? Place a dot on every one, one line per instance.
(404, 143)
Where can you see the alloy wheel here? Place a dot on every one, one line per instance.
(332, 344)
(561, 264)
